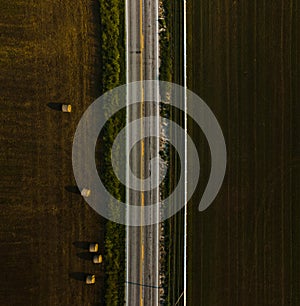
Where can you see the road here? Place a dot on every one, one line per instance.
(142, 243)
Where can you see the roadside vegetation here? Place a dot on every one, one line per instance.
(171, 71)
(166, 74)
(113, 74)
(165, 42)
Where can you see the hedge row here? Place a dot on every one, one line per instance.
(113, 74)
(112, 43)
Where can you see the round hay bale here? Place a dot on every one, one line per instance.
(66, 108)
(85, 192)
(93, 248)
(97, 259)
(90, 279)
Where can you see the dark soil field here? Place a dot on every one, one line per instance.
(244, 62)
(48, 55)
(176, 222)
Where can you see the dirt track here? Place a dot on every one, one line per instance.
(244, 62)
(49, 54)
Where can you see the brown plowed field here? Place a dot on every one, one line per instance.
(48, 55)
(244, 62)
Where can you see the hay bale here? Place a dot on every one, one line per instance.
(90, 279)
(85, 192)
(66, 108)
(93, 248)
(97, 259)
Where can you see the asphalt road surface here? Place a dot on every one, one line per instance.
(142, 242)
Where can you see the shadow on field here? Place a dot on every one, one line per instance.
(80, 276)
(55, 106)
(73, 189)
(81, 245)
(85, 256)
